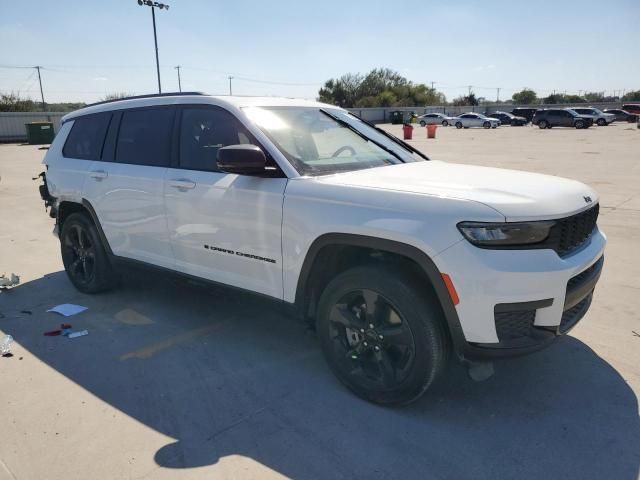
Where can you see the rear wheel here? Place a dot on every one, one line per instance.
(579, 124)
(381, 337)
(543, 124)
(458, 125)
(84, 257)
(445, 123)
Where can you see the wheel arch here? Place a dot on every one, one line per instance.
(68, 207)
(336, 248)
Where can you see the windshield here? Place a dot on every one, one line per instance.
(323, 141)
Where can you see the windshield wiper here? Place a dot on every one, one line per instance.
(346, 124)
(393, 138)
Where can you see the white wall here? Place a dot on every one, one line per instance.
(12, 127)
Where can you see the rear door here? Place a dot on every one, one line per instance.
(126, 187)
(223, 227)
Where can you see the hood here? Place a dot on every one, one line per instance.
(516, 195)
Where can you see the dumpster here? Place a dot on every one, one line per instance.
(407, 131)
(39, 133)
(397, 117)
(431, 131)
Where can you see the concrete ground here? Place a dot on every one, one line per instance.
(177, 380)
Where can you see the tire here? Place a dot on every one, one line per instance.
(542, 124)
(486, 125)
(391, 355)
(423, 123)
(514, 123)
(579, 124)
(445, 123)
(458, 125)
(84, 257)
(602, 122)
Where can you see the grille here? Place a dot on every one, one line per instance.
(574, 314)
(578, 279)
(511, 325)
(569, 234)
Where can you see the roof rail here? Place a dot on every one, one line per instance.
(151, 95)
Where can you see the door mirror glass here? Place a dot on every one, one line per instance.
(242, 159)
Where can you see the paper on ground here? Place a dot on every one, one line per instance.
(67, 309)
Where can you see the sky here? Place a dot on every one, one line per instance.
(290, 48)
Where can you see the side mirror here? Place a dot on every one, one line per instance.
(241, 159)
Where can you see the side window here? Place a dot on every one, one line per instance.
(145, 137)
(86, 138)
(203, 132)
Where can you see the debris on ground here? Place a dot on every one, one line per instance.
(65, 329)
(10, 281)
(27, 312)
(67, 309)
(5, 345)
(80, 333)
(7, 355)
(635, 334)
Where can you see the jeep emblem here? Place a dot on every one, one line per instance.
(587, 199)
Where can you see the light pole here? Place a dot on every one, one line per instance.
(153, 5)
(230, 90)
(177, 67)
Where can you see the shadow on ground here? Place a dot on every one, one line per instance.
(225, 373)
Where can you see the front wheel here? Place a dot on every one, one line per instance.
(84, 257)
(458, 125)
(579, 124)
(381, 336)
(445, 123)
(602, 122)
(543, 124)
(423, 123)
(486, 125)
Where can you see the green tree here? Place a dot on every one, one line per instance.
(11, 102)
(526, 96)
(633, 96)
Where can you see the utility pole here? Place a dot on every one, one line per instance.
(498, 95)
(177, 67)
(432, 83)
(230, 90)
(470, 89)
(44, 108)
(153, 5)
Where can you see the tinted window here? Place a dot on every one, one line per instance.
(87, 137)
(204, 131)
(145, 137)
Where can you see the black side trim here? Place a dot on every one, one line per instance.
(94, 217)
(522, 306)
(413, 253)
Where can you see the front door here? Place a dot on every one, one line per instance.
(223, 227)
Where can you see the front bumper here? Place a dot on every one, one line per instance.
(513, 302)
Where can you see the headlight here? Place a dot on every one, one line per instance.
(498, 235)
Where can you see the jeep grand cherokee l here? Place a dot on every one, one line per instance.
(396, 259)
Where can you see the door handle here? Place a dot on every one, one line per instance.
(182, 184)
(98, 174)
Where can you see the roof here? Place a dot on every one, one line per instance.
(227, 101)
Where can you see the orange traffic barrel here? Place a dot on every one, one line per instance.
(407, 130)
(431, 131)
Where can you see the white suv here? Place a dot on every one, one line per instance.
(396, 259)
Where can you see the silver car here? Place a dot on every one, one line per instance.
(435, 119)
(600, 118)
(471, 119)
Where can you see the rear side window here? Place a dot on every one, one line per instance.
(86, 138)
(144, 137)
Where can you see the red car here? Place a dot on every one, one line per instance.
(632, 107)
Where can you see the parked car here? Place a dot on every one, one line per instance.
(599, 117)
(507, 118)
(632, 108)
(397, 261)
(527, 113)
(435, 119)
(470, 119)
(560, 117)
(622, 115)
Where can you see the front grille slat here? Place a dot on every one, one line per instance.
(569, 234)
